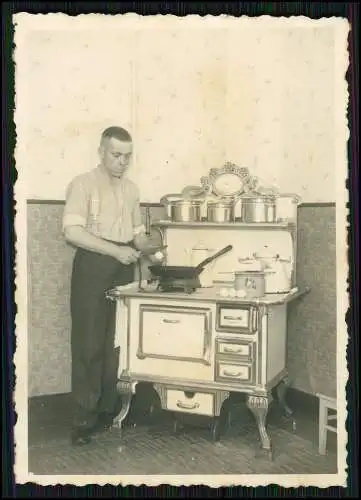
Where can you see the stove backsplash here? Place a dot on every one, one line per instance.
(245, 243)
(312, 320)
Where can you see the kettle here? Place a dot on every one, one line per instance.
(278, 271)
(199, 253)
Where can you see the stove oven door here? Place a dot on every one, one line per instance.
(173, 341)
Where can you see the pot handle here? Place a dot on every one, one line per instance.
(190, 192)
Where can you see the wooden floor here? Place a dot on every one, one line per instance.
(150, 447)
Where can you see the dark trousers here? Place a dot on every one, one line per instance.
(94, 358)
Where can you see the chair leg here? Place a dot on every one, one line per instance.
(322, 433)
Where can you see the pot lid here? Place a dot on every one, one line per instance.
(187, 202)
(220, 203)
(258, 196)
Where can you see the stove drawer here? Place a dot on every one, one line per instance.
(194, 402)
(226, 371)
(236, 348)
(236, 318)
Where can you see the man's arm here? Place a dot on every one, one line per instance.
(74, 226)
(80, 237)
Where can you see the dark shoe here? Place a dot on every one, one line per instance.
(106, 418)
(105, 421)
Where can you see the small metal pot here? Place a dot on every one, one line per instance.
(286, 207)
(220, 211)
(258, 208)
(186, 211)
(252, 282)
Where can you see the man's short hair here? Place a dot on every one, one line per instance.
(117, 133)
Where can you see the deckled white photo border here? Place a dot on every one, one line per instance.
(25, 22)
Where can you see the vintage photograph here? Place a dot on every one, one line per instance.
(181, 250)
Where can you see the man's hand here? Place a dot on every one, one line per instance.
(147, 244)
(127, 255)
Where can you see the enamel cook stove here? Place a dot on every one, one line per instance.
(195, 347)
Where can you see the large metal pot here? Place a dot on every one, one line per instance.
(186, 211)
(220, 211)
(258, 208)
(181, 209)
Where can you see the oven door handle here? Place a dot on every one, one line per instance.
(171, 321)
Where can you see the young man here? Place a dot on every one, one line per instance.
(102, 219)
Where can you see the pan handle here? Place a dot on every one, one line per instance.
(204, 262)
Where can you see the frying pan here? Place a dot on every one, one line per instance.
(185, 272)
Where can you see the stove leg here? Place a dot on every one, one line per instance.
(259, 405)
(126, 394)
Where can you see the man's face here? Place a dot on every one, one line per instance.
(115, 156)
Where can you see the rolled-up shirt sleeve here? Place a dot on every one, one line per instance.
(76, 205)
(138, 226)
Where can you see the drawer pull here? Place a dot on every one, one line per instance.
(226, 373)
(173, 321)
(234, 318)
(184, 406)
(230, 349)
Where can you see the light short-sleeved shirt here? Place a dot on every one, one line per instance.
(108, 210)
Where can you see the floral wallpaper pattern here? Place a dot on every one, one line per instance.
(259, 93)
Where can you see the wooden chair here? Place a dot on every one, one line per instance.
(326, 404)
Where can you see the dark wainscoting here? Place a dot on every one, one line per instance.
(312, 321)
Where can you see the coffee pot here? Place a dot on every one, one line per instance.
(278, 271)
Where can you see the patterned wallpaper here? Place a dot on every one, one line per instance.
(261, 93)
(312, 321)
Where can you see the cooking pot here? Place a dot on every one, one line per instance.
(286, 207)
(258, 208)
(182, 210)
(220, 211)
(186, 211)
(251, 282)
(278, 271)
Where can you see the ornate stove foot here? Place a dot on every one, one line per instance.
(125, 391)
(281, 395)
(259, 407)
